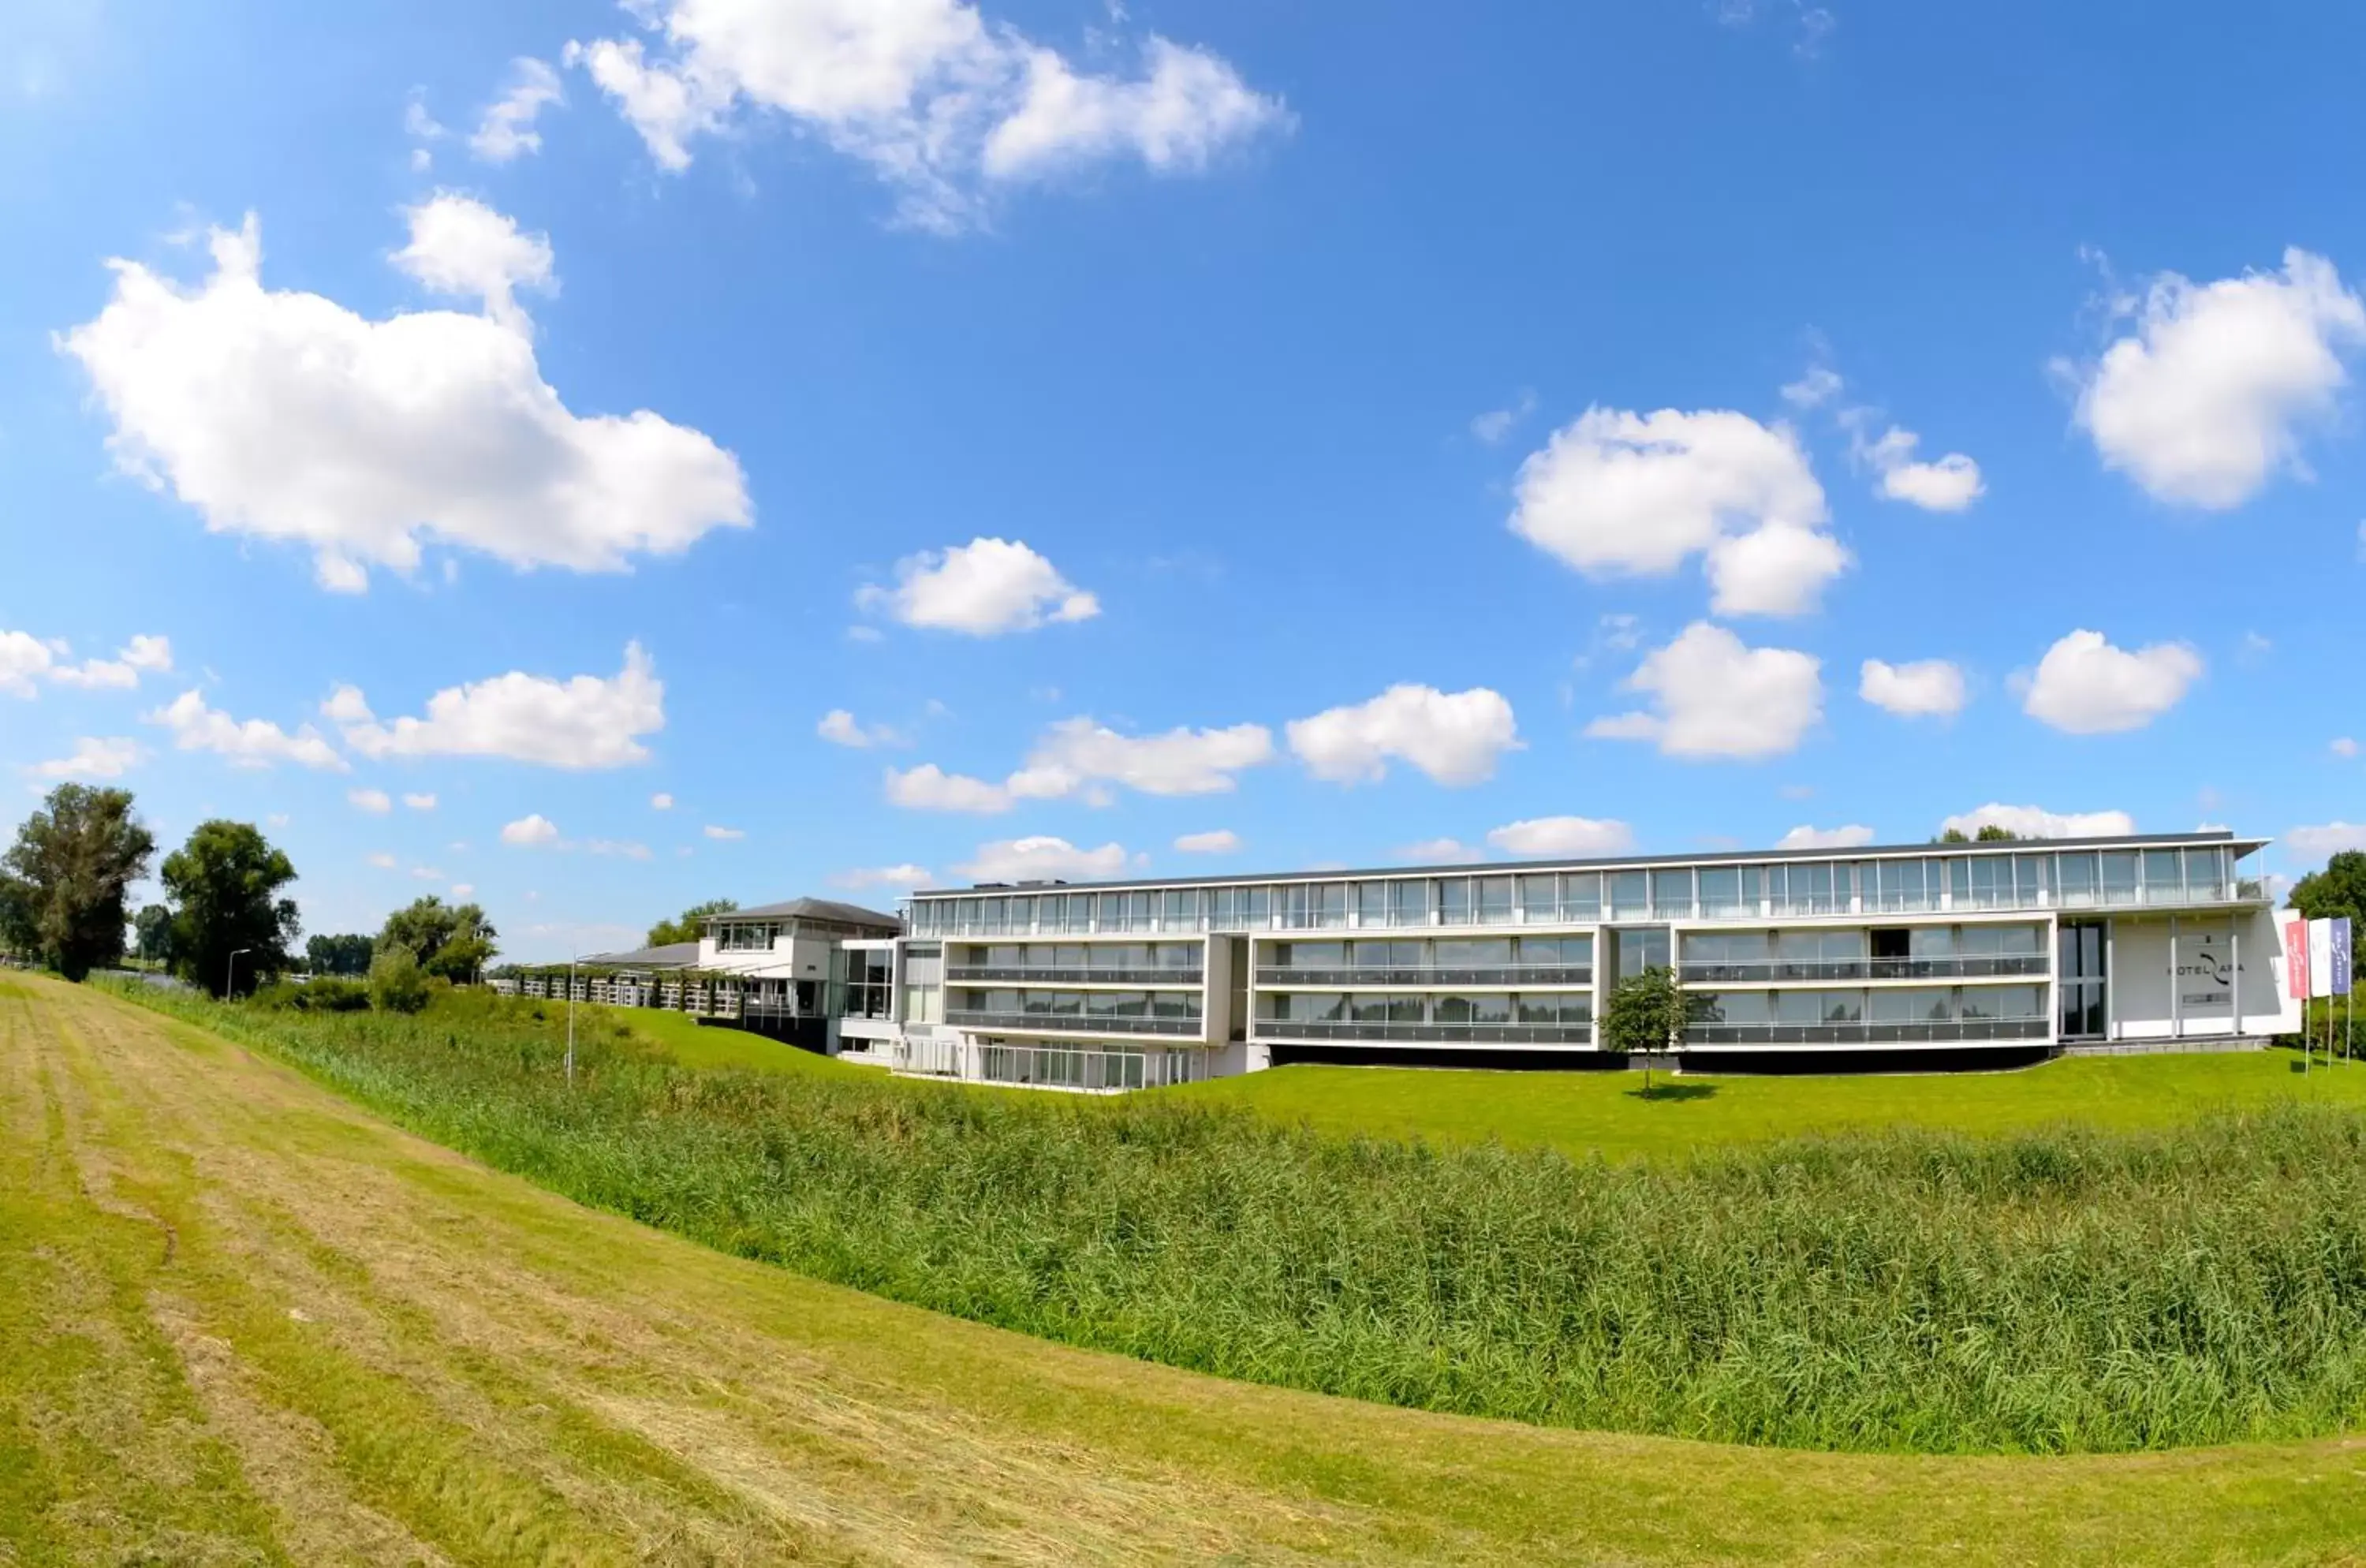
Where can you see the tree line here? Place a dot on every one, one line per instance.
(224, 923)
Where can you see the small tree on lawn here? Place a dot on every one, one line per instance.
(225, 888)
(62, 882)
(1646, 1014)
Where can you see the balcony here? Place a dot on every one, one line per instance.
(1935, 1031)
(1760, 971)
(1073, 1023)
(1030, 975)
(1429, 1033)
(1498, 976)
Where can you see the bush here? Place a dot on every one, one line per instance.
(326, 993)
(395, 983)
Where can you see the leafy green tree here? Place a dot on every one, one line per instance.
(692, 925)
(452, 942)
(152, 935)
(1645, 1014)
(225, 888)
(1990, 833)
(339, 954)
(396, 984)
(2338, 888)
(62, 882)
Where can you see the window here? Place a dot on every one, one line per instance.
(1672, 894)
(1916, 1004)
(1637, 949)
(1310, 955)
(1494, 895)
(1478, 952)
(1409, 902)
(1373, 1007)
(1731, 1007)
(1581, 895)
(1454, 900)
(2119, 876)
(1539, 898)
(2164, 876)
(1181, 911)
(2078, 878)
(1932, 941)
(1720, 891)
(1480, 1008)
(1175, 955)
(1331, 905)
(1022, 915)
(2205, 874)
(1803, 889)
(1988, 882)
(1371, 903)
(2031, 883)
(1988, 942)
(1555, 952)
(1629, 894)
(2000, 1001)
(1558, 1008)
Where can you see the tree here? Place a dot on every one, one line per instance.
(152, 935)
(62, 882)
(224, 884)
(2338, 888)
(1646, 1013)
(693, 924)
(395, 983)
(339, 954)
(1990, 833)
(453, 942)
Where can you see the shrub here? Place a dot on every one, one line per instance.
(395, 983)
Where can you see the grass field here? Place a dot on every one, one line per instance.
(1581, 1113)
(247, 1322)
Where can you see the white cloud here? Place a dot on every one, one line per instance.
(626, 848)
(839, 728)
(93, 758)
(1947, 484)
(255, 743)
(2036, 822)
(1219, 841)
(1455, 738)
(374, 801)
(284, 415)
(2326, 838)
(463, 889)
(420, 802)
(2209, 397)
(1438, 851)
(2086, 687)
(507, 128)
(463, 248)
(883, 876)
(426, 874)
(1715, 698)
(1076, 754)
(1042, 859)
(1819, 385)
(2345, 746)
(940, 102)
(383, 860)
(1621, 493)
(984, 588)
(1806, 837)
(930, 788)
(1923, 688)
(1563, 836)
(715, 830)
(661, 801)
(530, 832)
(586, 722)
(1496, 423)
(26, 659)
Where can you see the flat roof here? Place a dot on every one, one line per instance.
(811, 910)
(1619, 862)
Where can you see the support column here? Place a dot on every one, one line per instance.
(2176, 986)
(2111, 979)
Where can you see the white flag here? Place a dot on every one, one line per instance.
(2320, 958)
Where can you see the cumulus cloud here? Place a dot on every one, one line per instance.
(585, 722)
(984, 588)
(1946, 484)
(1925, 688)
(2343, 746)
(283, 415)
(252, 743)
(944, 105)
(930, 788)
(383, 860)
(907, 876)
(1439, 851)
(1618, 493)
(1806, 837)
(1219, 841)
(507, 128)
(839, 728)
(1455, 739)
(463, 248)
(661, 801)
(1496, 423)
(25, 660)
(1715, 698)
(716, 830)
(1042, 859)
(420, 802)
(1563, 836)
(374, 801)
(626, 849)
(93, 758)
(2210, 394)
(2086, 687)
(533, 831)
(2326, 838)
(1077, 753)
(2036, 822)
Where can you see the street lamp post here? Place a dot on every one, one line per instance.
(229, 970)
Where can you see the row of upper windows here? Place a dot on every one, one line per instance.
(2026, 880)
(1920, 1004)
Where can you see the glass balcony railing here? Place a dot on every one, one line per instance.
(1072, 1023)
(1030, 975)
(1349, 1031)
(1416, 977)
(1931, 1031)
(1713, 971)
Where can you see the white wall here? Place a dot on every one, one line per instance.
(2221, 961)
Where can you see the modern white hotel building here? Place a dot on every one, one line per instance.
(1954, 954)
(1934, 955)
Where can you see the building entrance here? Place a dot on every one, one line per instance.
(2080, 980)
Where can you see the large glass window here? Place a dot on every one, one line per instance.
(1672, 895)
(1475, 952)
(1986, 941)
(1720, 892)
(1493, 895)
(2164, 876)
(1731, 1007)
(1331, 906)
(1377, 1006)
(1454, 901)
(2119, 876)
(1181, 910)
(1479, 1008)
(1581, 895)
(2205, 874)
(2001, 1001)
(1629, 895)
(1638, 948)
(1990, 880)
(1371, 903)
(1558, 1008)
(2031, 885)
(2077, 872)
(1409, 902)
(1931, 941)
(1541, 899)
(1555, 952)
(1912, 1004)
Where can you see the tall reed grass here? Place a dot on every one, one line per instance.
(2054, 1291)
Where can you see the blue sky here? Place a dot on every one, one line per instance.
(1362, 432)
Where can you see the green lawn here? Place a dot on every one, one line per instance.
(694, 1045)
(1580, 1112)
